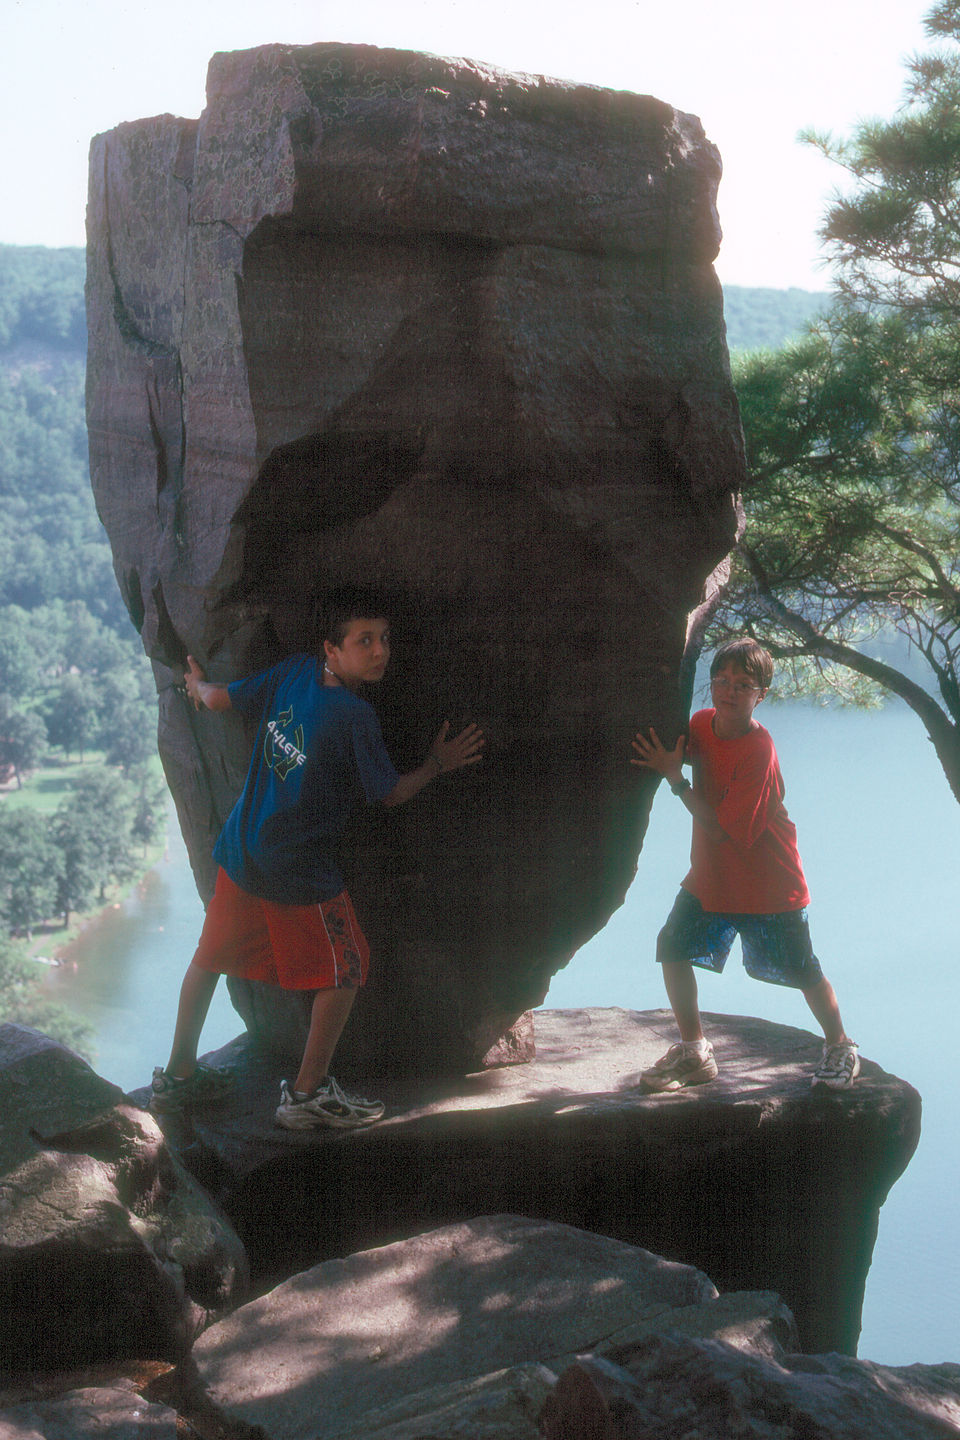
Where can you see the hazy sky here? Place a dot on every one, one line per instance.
(755, 71)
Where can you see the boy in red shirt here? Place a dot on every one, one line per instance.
(745, 874)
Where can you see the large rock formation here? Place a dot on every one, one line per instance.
(461, 1334)
(456, 333)
(108, 1248)
(758, 1180)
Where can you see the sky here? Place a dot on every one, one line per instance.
(756, 72)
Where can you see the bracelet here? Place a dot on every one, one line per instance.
(437, 761)
(681, 786)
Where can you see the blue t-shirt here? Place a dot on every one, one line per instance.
(318, 755)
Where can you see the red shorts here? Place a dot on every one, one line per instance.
(300, 947)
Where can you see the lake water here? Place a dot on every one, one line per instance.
(880, 838)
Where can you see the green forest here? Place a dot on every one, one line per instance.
(81, 797)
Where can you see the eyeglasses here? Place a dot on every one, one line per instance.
(736, 687)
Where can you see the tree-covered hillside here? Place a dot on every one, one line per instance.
(73, 678)
(52, 546)
(41, 298)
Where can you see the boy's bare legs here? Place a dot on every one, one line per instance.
(196, 992)
(327, 1019)
(691, 1062)
(681, 983)
(826, 1011)
(840, 1065)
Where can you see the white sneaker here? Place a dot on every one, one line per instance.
(329, 1105)
(686, 1063)
(839, 1066)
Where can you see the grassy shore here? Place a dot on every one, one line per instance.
(44, 788)
(42, 791)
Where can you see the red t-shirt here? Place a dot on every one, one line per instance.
(756, 869)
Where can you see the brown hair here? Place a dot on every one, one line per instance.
(338, 608)
(747, 656)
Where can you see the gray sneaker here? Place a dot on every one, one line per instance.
(206, 1084)
(329, 1105)
(839, 1066)
(684, 1064)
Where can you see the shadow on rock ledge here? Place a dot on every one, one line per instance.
(756, 1179)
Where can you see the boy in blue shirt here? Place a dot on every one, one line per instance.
(280, 912)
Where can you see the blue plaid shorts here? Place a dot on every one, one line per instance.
(776, 948)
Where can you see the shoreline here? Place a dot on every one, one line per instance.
(52, 946)
(39, 792)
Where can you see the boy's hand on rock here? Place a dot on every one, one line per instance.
(651, 754)
(464, 749)
(193, 676)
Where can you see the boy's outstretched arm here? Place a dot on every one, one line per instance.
(651, 754)
(444, 755)
(203, 692)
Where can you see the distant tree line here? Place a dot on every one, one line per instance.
(764, 319)
(41, 297)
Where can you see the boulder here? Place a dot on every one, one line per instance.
(97, 1412)
(314, 1356)
(507, 1404)
(673, 1387)
(756, 1179)
(385, 317)
(108, 1247)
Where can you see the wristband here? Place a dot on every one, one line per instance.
(681, 786)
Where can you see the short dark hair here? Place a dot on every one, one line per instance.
(748, 656)
(338, 608)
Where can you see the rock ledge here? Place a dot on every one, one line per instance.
(757, 1180)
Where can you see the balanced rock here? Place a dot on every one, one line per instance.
(108, 1248)
(383, 317)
